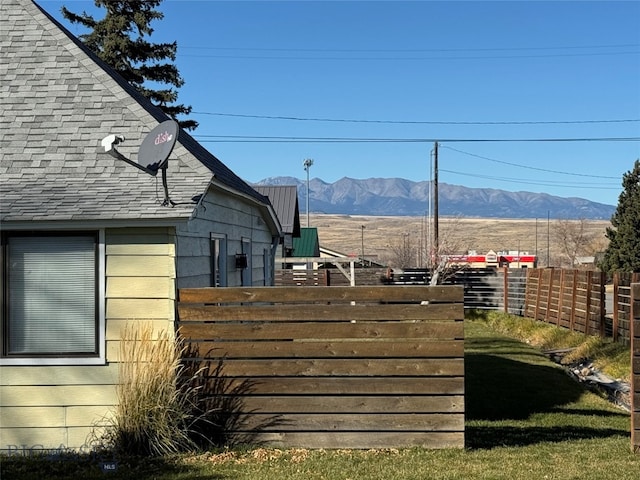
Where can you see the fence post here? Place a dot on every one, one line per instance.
(589, 301)
(603, 303)
(549, 295)
(505, 290)
(574, 299)
(616, 286)
(634, 325)
(538, 293)
(563, 285)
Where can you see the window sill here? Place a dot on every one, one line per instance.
(41, 361)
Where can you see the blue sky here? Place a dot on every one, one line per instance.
(265, 77)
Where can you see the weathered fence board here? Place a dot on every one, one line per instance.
(355, 386)
(380, 404)
(635, 362)
(370, 294)
(335, 367)
(332, 349)
(337, 312)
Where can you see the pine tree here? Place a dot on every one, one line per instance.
(119, 40)
(623, 252)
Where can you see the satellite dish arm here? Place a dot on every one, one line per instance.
(109, 143)
(116, 154)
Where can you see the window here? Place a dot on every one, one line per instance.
(218, 260)
(53, 308)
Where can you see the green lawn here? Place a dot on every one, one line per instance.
(526, 419)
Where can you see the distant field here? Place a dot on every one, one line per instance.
(344, 233)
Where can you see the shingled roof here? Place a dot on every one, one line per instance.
(57, 102)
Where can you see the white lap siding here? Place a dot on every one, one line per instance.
(57, 407)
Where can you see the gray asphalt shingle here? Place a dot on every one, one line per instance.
(57, 102)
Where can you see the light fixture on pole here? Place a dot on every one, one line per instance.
(307, 165)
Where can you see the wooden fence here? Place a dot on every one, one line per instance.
(635, 367)
(302, 278)
(566, 298)
(489, 288)
(327, 277)
(621, 320)
(336, 367)
(573, 299)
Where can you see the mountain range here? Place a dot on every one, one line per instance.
(401, 197)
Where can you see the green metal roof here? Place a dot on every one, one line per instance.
(308, 244)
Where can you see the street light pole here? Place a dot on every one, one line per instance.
(363, 227)
(307, 165)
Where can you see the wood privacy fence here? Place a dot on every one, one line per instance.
(621, 319)
(484, 288)
(635, 366)
(302, 278)
(566, 298)
(573, 299)
(327, 277)
(488, 288)
(336, 367)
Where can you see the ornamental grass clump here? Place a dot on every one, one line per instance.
(156, 404)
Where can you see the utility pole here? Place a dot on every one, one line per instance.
(435, 201)
(548, 235)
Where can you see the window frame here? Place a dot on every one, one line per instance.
(95, 358)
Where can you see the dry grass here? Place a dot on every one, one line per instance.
(153, 413)
(344, 233)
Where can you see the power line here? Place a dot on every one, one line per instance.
(410, 50)
(277, 139)
(529, 182)
(416, 122)
(528, 166)
(413, 58)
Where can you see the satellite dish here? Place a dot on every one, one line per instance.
(157, 146)
(153, 154)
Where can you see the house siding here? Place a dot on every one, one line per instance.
(57, 407)
(221, 214)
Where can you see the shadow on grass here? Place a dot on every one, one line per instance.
(487, 437)
(91, 466)
(500, 389)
